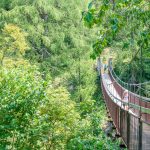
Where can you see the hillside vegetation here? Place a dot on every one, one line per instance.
(49, 92)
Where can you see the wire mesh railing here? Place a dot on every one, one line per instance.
(135, 89)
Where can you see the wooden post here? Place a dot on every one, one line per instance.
(140, 135)
(120, 121)
(128, 130)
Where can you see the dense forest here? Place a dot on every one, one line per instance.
(50, 95)
(49, 91)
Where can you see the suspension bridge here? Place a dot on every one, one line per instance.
(129, 110)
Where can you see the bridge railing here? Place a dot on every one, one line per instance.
(138, 104)
(136, 89)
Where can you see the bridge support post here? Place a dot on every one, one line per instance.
(140, 134)
(120, 121)
(128, 130)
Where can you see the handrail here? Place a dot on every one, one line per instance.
(139, 96)
(146, 99)
(143, 109)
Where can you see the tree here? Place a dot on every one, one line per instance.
(33, 113)
(13, 42)
(124, 26)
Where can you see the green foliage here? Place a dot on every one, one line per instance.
(33, 113)
(57, 118)
(21, 91)
(91, 136)
(124, 25)
(49, 97)
(13, 42)
(55, 33)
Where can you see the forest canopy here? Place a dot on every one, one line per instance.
(49, 94)
(50, 97)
